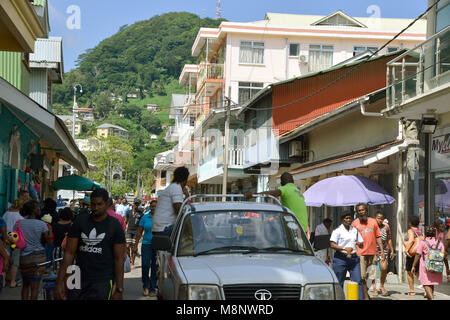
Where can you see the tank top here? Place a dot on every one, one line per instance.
(417, 233)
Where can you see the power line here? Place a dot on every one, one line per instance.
(349, 71)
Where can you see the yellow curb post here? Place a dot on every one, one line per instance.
(352, 290)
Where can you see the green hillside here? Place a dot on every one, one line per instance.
(146, 59)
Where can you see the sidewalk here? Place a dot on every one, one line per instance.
(133, 290)
(399, 291)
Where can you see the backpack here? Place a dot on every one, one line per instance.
(434, 262)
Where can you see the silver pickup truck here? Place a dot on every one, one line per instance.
(225, 250)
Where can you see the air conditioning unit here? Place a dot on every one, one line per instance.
(295, 149)
(303, 58)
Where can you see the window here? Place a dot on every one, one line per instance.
(359, 50)
(294, 49)
(442, 15)
(247, 90)
(320, 57)
(251, 52)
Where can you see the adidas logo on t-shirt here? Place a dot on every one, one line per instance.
(92, 241)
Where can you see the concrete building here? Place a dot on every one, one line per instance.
(68, 121)
(34, 138)
(105, 130)
(237, 60)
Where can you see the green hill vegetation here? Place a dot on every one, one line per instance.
(144, 59)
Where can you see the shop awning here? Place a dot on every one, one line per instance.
(351, 161)
(43, 124)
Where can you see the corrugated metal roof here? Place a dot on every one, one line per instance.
(107, 125)
(39, 3)
(337, 159)
(270, 87)
(47, 50)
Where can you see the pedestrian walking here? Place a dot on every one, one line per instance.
(31, 258)
(429, 275)
(113, 214)
(132, 221)
(446, 252)
(97, 241)
(169, 203)
(345, 240)
(323, 229)
(291, 197)
(370, 231)
(24, 196)
(49, 247)
(11, 217)
(60, 231)
(387, 247)
(125, 208)
(144, 231)
(413, 238)
(49, 207)
(5, 262)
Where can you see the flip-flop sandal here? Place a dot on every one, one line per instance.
(375, 293)
(384, 293)
(411, 294)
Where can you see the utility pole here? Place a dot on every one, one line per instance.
(227, 144)
(74, 110)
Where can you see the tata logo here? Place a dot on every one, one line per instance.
(263, 294)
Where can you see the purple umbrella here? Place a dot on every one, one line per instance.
(342, 191)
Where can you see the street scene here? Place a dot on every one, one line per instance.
(224, 151)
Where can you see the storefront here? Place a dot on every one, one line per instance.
(440, 172)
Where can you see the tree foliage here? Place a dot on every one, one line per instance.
(145, 55)
(145, 58)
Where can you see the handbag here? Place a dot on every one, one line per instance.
(17, 237)
(127, 265)
(412, 250)
(64, 242)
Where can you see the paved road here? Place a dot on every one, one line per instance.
(133, 289)
(133, 284)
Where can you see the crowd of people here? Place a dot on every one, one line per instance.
(101, 235)
(54, 238)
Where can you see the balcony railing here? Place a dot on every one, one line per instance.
(171, 134)
(209, 71)
(419, 70)
(236, 157)
(189, 99)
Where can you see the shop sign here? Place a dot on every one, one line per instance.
(440, 149)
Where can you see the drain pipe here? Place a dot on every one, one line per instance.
(362, 103)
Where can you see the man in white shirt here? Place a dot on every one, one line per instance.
(323, 229)
(169, 203)
(119, 207)
(344, 240)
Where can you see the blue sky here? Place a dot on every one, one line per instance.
(99, 19)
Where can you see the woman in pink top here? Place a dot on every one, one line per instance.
(112, 213)
(427, 279)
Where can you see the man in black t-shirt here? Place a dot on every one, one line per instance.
(97, 241)
(132, 219)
